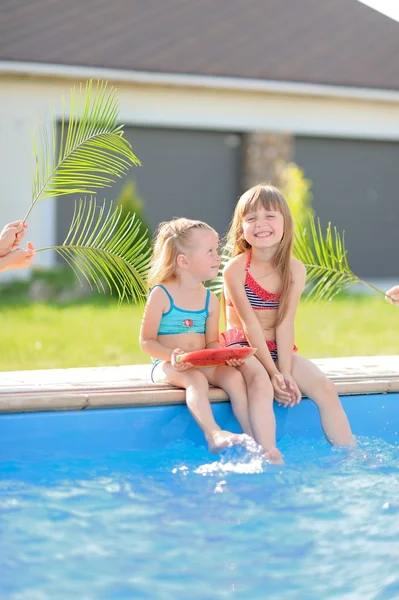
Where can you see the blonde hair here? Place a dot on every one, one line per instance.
(270, 198)
(171, 239)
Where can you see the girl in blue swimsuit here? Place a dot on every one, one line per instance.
(181, 315)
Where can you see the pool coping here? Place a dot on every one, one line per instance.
(130, 385)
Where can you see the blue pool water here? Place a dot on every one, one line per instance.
(128, 504)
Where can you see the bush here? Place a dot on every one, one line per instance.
(131, 202)
(59, 285)
(297, 191)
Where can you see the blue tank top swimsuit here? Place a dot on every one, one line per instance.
(180, 320)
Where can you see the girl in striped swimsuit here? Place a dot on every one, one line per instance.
(263, 284)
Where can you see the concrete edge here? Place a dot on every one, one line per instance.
(35, 400)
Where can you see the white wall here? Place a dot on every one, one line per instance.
(24, 100)
(21, 106)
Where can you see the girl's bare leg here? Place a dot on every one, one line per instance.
(314, 384)
(196, 385)
(260, 401)
(232, 382)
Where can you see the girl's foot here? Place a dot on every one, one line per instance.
(219, 439)
(274, 457)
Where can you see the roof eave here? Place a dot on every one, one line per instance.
(44, 70)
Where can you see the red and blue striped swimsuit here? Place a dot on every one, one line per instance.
(259, 299)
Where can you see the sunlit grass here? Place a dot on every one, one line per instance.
(39, 336)
(348, 326)
(98, 333)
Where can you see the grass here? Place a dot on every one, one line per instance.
(96, 332)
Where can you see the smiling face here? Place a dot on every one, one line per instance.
(261, 219)
(201, 257)
(263, 228)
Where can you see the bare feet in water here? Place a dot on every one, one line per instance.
(219, 440)
(274, 456)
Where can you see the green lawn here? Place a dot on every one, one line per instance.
(41, 336)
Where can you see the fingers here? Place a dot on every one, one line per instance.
(279, 385)
(294, 400)
(297, 398)
(30, 253)
(19, 258)
(282, 400)
(392, 295)
(282, 394)
(11, 236)
(179, 366)
(295, 393)
(17, 228)
(178, 351)
(291, 396)
(20, 230)
(235, 362)
(186, 366)
(16, 224)
(278, 380)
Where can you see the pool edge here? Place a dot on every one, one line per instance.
(115, 387)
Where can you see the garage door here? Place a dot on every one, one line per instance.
(194, 174)
(355, 185)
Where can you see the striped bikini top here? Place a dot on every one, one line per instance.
(259, 298)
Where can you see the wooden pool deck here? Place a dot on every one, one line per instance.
(100, 387)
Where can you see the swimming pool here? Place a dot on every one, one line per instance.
(127, 503)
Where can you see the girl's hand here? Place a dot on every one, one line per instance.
(18, 259)
(235, 362)
(281, 394)
(392, 295)
(179, 366)
(11, 236)
(292, 387)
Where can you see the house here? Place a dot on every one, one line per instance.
(211, 93)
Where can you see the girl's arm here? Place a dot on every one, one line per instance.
(285, 332)
(234, 279)
(156, 305)
(212, 323)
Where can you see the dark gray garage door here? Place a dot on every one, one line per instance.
(194, 174)
(355, 185)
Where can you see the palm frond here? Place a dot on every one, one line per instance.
(324, 256)
(107, 251)
(325, 259)
(216, 284)
(92, 150)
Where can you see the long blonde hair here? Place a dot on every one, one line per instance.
(171, 239)
(270, 198)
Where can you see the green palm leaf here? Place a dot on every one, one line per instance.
(325, 259)
(107, 251)
(216, 284)
(92, 150)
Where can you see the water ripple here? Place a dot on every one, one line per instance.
(177, 524)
